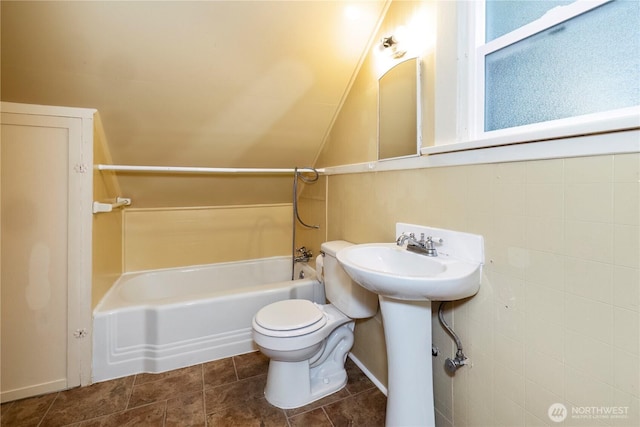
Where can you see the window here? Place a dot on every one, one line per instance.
(554, 66)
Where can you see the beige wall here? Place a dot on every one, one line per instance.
(557, 315)
(107, 227)
(164, 238)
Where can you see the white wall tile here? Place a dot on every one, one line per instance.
(626, 288)
(626, 330)
(583, 390)
(545, 234)
(507, 413)
(589, 240)
(626, 245)
(591, 357)
(590, 318)
(627, 168)
(546, 303)
(545, 337)
(545, 171)
(588, 169)
(627, 372)
(538, 400)
(509, 354)
(626, 206)
(589, 202)
(544, 200)
(544, 370)
(589, 279)
(545, 269)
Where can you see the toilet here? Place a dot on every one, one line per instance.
(307, 342)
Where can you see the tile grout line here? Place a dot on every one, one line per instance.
(327, 415)
(203, 397)
(48, 409)
(235, 368)
(126, 406)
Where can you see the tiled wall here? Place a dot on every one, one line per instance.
(557, 316)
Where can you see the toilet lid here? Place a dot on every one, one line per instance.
(291, 314)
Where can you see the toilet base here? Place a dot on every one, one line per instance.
(295, 384)
(289, 384)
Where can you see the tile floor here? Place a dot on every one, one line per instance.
(226, 392)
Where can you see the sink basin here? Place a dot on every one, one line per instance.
(390, 270)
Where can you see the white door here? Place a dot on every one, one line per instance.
(39, 237)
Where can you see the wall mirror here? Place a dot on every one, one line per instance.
(399, 127)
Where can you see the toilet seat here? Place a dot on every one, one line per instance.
(289, 318)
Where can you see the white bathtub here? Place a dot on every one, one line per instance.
(154, 321)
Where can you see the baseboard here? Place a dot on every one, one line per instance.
(33, 390)
(368, 373)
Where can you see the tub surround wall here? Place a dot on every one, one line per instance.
(107, 227)
(165, 238)
(312, 207)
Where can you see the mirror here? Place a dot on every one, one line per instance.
(399, 128)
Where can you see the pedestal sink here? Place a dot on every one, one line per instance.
(406, 283)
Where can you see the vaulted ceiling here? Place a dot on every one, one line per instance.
(202, 83)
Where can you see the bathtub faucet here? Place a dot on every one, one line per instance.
(304, 255)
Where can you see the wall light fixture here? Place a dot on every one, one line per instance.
(391, 46)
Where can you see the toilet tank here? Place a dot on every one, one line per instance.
(345, 294)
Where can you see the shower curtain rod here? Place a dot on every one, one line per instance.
(184, 169)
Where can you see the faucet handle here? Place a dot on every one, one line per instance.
(435, 240)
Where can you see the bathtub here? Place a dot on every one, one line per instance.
(155, 321)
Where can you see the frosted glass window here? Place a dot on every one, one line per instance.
(504, 16)
(588, 64)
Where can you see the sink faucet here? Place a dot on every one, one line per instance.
(422, 246)
(304, 254)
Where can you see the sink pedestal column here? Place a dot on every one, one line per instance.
(407, 330)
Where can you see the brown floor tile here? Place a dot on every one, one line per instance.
(147, 378)
(193, 396)
(143, 416)
(186, 411)
(251, 364)
(84, 403)
(219, 372)
(366, 409)
(218, 398)
(168, 385)
(25, 412)
(357, 380)
(315, 418)
(256, 412)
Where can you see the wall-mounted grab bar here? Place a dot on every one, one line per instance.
(108, 207)
(184, 169)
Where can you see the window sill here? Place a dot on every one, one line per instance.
(576, 127)
(626, 141)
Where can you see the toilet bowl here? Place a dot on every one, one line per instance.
(308, 343)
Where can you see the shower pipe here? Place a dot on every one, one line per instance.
(185, 169)
(296, 216)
